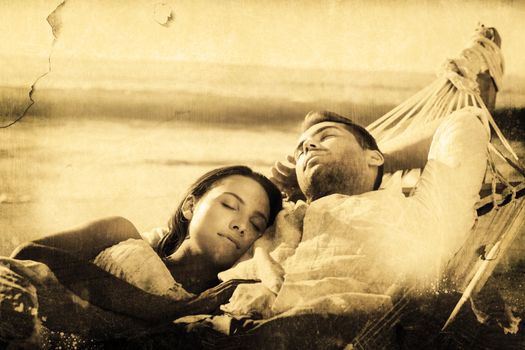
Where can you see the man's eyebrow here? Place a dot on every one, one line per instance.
(318, 131)
(257, 212)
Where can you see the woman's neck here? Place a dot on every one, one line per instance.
(192, 269)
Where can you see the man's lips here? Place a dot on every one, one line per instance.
(311, 160)
(231, 239)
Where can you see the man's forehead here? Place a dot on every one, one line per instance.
(319, 127)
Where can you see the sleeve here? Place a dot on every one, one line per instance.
(450, 183)
(135, 262)
(154, 236)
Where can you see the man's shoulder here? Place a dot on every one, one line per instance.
(381, 195)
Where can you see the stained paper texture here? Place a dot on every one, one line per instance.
(114, 108)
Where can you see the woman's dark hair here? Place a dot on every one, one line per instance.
(178, 224)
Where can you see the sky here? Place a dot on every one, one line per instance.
(119, 43)
(411, 36)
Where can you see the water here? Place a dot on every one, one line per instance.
(59, 173)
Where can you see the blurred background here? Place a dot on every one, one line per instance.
(133, 101)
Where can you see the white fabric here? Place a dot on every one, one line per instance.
(362, 245)
(154, 236)
(135, 261)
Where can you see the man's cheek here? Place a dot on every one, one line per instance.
(299, 171)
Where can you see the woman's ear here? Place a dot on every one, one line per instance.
(374, 157)
(188, 206)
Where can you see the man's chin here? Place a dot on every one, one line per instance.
(315, 176)
(312, 168)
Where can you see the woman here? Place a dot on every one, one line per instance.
(221, 216)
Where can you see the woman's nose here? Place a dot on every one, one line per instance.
(238, 227)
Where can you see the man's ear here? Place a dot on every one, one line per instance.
(374, 157)
(187, 207)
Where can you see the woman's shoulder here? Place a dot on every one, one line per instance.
(153, 236)
(137, 263)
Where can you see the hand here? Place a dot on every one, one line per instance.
(210, 300)
(285, 178)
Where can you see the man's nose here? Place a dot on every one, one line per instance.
(309, 144)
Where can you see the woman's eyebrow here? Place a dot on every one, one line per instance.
(257, 212)
(236, 196)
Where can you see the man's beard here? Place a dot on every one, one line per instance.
(327, 180)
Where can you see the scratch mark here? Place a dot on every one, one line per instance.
(163, 14)
(56, 25)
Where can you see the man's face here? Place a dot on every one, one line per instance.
(330, 160)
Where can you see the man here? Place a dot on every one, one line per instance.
(327, 162)
(333, 155)
(352, 242)
(339, 167)
(355, 239)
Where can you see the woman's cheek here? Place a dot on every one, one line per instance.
(247, 244)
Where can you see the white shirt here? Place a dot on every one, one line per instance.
(353, 248)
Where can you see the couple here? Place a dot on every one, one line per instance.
(353, 243)
(105, 279)
(112, 278)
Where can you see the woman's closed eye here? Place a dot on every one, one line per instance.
(258, 224)
(229, 205)
(256, 227)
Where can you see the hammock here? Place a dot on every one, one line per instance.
(501, 211)
(501, 217)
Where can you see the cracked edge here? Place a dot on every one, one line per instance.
(55, 25)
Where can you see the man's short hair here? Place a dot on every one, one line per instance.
(363, 137)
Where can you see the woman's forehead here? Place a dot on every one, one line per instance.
(246, 190)
(241, 186)
(237, 181)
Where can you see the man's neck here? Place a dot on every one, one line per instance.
(354, 190)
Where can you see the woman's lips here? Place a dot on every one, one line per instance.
(231, 239)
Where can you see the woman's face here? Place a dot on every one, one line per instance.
(228, 219)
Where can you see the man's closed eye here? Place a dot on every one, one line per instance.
(326, 137)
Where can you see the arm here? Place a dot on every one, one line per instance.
(448, 188)
(87, 241)
(410, 149)
(108, 292)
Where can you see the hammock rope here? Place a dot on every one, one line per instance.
(508, 220)
(456, 87)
